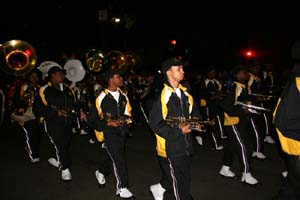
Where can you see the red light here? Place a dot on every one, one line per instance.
(28, 52)
(249, 54)
(173, 42)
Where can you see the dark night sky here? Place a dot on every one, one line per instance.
(210, 34)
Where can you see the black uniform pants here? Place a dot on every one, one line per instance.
(290, 187)
(32, 137)
(238, 143)
(60, 135)
(176, 176)
(259, 129)
(115, 147)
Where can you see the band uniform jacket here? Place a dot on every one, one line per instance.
(286, 117)
(170, 141)
(233, 113)
(51, 99)
(106, 106)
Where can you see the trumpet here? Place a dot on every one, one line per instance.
(252, 108)
(194, 124)
(120, 120)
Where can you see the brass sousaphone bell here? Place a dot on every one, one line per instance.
(95, 60)
(17, 57)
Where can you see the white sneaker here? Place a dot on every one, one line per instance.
(225, 171)
(219, 147)
(269, 139)
(284, 174)
(249, 179)
(157, 191)
(53, 162)
(124, 193)
(259, 155)
(74, 130)
(100, 178)
(199, 140)
(83, 132)
(66, 175)
(35, 160)
(91, 141)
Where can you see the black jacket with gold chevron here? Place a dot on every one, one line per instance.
(171, 142)
(51, 99)
(287, 112)
(107, 107)
(232, 112)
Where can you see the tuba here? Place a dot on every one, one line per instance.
(17, 57)
(45, 66)
(116, 60)
(74, 71)
(95, 60)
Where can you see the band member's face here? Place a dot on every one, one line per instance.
(58, 77)
(176, 73)
(243, 76)
(118, 80)
(33, 78)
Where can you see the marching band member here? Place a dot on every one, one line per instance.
(286, 118)
(214, 112)
(259, 122)
(58, 107)
(174, 144)
(236, 125)
(112, 103)
(24, 115)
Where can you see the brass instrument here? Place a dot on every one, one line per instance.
(29, 95)
(74, 71)
(252, 108)
(194, 124)
(95, 60)
(120, 120)
(17, 57)
(45, 66)
(116, 60)
(262, 97)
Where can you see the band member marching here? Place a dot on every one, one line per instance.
(58, 108)
(236, 125)
(24, 116)
(113, 108)
(259, 122)
(174, 143)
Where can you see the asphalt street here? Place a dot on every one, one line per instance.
(23, 180)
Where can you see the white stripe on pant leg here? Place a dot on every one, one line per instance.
(244, 153)
(118, 186)
(220, 126)
(214, 139)
(175, 187)
(267, 124)
(256, 136)
(55, 147)
(27, 143)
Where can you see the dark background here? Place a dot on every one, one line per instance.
(206, 35)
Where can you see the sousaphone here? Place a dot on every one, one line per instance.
(45, 66)
(95, 60)
(17, 57)
(74, 71)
